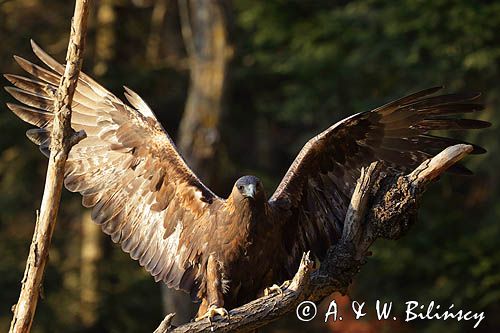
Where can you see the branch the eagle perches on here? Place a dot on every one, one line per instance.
(383, 205)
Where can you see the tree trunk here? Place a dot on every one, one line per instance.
(91, 254)
(205, 33)
(105, 36)
(157, 22)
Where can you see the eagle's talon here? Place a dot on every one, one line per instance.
(286, 284)
(275, 289)
(212, 312)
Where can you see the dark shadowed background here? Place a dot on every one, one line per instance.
(294, 68)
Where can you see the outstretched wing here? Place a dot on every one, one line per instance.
(317, 188)
(142, 192)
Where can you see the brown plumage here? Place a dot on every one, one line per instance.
(224, 252)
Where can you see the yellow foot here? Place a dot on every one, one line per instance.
(275, 289)
(212, 312)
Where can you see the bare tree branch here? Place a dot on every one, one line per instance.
(382, 206)
(262, 310)
(62, 139)
(165, 324)
(432, 168)
(357, 208)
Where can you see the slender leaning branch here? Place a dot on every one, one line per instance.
(62, 139)
(382, 206)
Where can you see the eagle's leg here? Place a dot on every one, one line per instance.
(213, 311)
(277, 289)
(213, 303)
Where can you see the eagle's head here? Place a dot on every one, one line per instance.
(249, 187)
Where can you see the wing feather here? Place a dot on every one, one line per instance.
(317, 188)
(128, 171)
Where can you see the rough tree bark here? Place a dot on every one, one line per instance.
(382, 206)
(62, 139)
(205, 34)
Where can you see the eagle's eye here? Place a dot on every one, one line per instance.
(240, 187)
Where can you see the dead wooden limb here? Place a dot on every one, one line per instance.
(251, 315)
(165, 324)
(62, 139)
(432, 168)
(356, 212)
(382, 206)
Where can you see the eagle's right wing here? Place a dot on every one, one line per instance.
(318, 186)
(142, 192)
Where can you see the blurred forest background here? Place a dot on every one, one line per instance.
(278, 72)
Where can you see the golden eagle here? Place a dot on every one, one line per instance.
(224, 252)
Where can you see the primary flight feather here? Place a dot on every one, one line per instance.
(224, 252)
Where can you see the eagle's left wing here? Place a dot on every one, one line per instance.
(128, 171)
(316, 190)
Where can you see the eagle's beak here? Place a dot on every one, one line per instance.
(250, 191)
